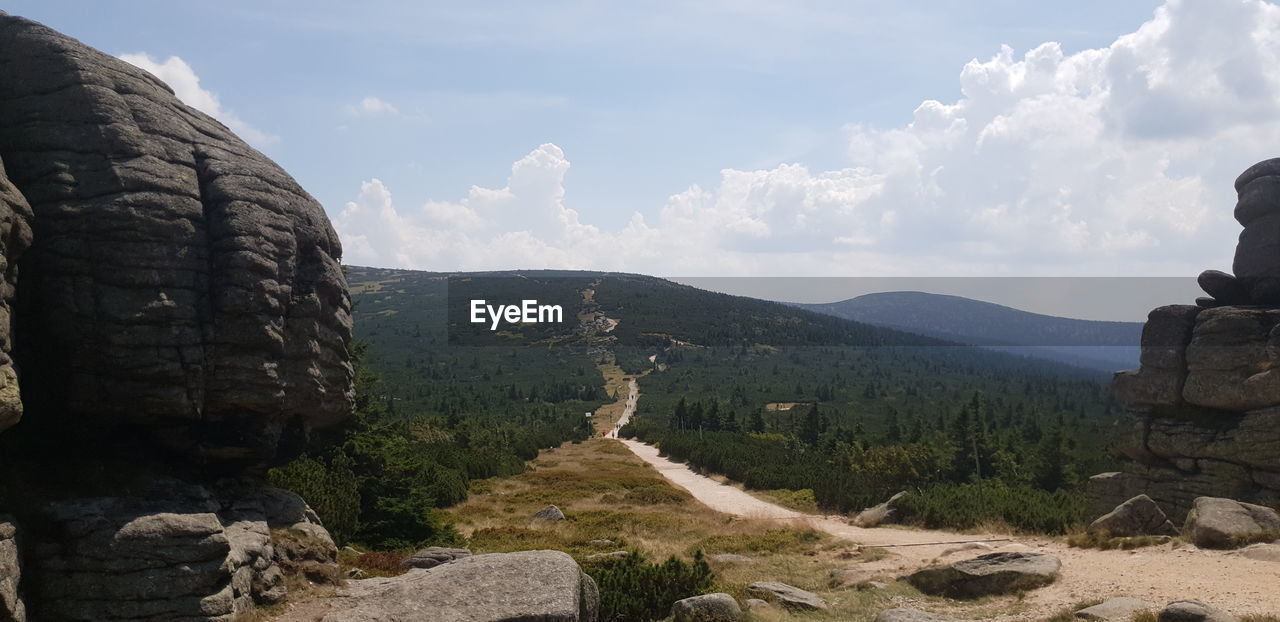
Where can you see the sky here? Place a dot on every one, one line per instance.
(739, 137)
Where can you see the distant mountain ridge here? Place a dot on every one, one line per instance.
(1096, 344)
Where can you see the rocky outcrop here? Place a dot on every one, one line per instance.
(12, 609)
(549, 513)
(718, 607)
(547, 586)
(1203, 411)
(1139, 516)
(1224, 523)
(179, 283)
(173, 321)
(986, 575)
(174, 550)
(788, 596)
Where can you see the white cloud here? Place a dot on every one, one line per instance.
(1108, 161)
(372, 106)
(186, 85)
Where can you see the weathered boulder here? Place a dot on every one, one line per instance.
(1115, 609)
(757, 604)
(549, 513)
(718, 607)
(1193, 611)
(905, 614)
(1262, 552)
(547, 586)
(788, 596)
(433, 556)
(172, 549)
(985, 575)
(15, 237)
(1139, 516)
(1223, 523)
(876, 515)
(179, 282)
(12, 608)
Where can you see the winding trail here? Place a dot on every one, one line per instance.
(1158, 575)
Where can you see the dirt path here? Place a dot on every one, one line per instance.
(1158, 575)
(630, 408)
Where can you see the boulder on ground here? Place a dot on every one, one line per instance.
(788, 596)
(1116, 609)
(718, 607)
(547, 586)
(904, 614)
(1139, 516)
(550, 512)
(990, 574)
(433, 556)
(877, 515)
(1262, 552)
(1215, 522)
(1194, 611)
(757, 604)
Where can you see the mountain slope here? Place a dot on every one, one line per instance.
(1096, 344)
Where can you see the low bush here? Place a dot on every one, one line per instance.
(634, 590)
(965, 506)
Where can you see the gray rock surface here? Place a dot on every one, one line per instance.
(1139, 516)
(877, 515)
(1223, 523)
(12, 608)
(1193, 611)
(757, 604)
(15, 238)
(1116, 609)
(546, 586)
(433, 556)
(788, 596)
(904, 614)
(551, 513)
(718, 607)
(173, 549)
(1262, 552)
(179, 281)
(990, 574)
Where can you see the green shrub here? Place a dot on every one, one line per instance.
(964, 506)
(634, 590)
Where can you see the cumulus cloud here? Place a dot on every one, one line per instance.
(186, 85)
(1117, 160)
(373, 106)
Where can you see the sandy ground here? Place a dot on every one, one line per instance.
(1158, 575)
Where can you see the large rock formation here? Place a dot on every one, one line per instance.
(1203, 412)
(173, 320)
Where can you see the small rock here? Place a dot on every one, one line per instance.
(1122, 608)
(911, 615)
(350, 550)
(730, 558)
(993, 573)
(1261, 552)
(611, 555)
(549, 513)
(1225, 523)
(1194, 611)
(755, 604)
(967, 546)
(880, 514)
(356, 573)
(1139, 516)
(789, 596)
(433, 556)
(718, 607)
(877, 585)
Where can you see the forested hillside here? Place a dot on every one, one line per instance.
(778, 397)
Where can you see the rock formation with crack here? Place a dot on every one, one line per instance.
(1203, 411)
(173, 320)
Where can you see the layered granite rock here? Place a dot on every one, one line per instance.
(179, 281)
(173, 321)
(1203, 412)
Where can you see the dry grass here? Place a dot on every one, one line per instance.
(608, 493)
